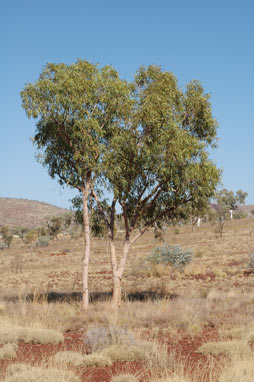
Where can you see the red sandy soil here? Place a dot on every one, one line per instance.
(184, 349)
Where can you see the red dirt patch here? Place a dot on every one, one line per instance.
(184, 349)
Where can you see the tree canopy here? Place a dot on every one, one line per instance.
(145, 142)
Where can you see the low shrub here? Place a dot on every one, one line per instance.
(239, 215)
(170, 255)
(42, 241)
(98, 338)
(3, 246)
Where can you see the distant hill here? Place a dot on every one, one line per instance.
(247, 209)
(26, 213)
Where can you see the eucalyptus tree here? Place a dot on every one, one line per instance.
(226, 203)
(159, 161)
(76, 108)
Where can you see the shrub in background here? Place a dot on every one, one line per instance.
(42, 241)
(98, 338)
(239, 215)
(170, 255)
(3, 246)
(251, 262)
(6, 235)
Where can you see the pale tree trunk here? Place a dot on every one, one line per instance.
(117, 271)
(86, 230)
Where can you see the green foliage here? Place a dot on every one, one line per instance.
(21, 231)
(98, 228)
(226, 201)
(146, 142)
(239, 215)
(41, 231)
(170, 255)
(158, 163)
(3, 246)
(67, 220)
(31, 236)
(6, 235)
(76, 107)
(54, 226)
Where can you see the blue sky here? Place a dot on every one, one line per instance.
(208, 40)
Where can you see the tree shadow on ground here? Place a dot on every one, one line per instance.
(94, 296)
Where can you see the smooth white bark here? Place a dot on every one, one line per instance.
(86, 258)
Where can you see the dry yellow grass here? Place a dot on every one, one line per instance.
(78, 359)
(239, 370)
(227, 256)
(27, 373)
(124, 378)
(8, 351)
(225, 348)
(10, 332)
(213, 291)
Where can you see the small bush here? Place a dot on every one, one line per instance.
(42, 241)
(239, 215)
(170, 255)
(3, 246)
(99, 338)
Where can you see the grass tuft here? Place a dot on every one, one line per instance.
(224, 348)
(124, 353)
(238, 370)
(8, 351)
(78, 359)
(124, 378)
(26, 373)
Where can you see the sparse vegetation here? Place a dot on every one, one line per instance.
(10, 332)
(6, 235)
(212, 307)
(225, 348)
(26, 373)
(78, 359)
